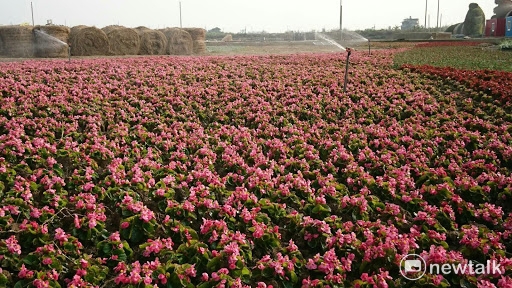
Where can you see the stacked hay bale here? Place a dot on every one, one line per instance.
(152, 42)
(17, 41)
(51, 41)
(88, 41)
(179, 41)
(122, 40)
(198, 38)
(227, 38)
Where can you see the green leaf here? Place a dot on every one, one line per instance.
(293, 277)
(107, 249)
(206, 285)
(136, 234)
(33, 186)
(3, 280)
(58, 170)
(21, 284)
(214, 264)
(31, 259)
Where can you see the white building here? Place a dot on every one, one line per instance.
(410, 23)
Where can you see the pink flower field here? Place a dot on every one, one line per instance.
(251, 172)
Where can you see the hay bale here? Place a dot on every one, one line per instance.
(179, 41)
(59, 32)
(123, 41)
(110, 28)
(17, 41)
(196, 33)
(73, 30)
(227, 38)
(199, 47)
(198, 39)
(51, 41)
(152, 42)
(88, 41)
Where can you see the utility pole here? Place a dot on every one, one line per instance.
(341, 20)
(437, 14)
(181, 23)
(426, 8)
(32, 10)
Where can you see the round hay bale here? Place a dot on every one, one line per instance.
(17, 41)
(109, 28)
(88, 41)
(196, 33)
(179, 41)
(152, 42)
(73, 30)
(199, 47)
(227, 38)
(123, 41)
(51, 41)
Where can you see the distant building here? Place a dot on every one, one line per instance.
(411, 23)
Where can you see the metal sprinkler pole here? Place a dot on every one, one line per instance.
(349, 51)
(369, 48)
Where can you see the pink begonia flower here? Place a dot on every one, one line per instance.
(12, 245)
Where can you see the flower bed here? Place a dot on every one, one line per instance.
(495, 84)
(449, 44)
(247, 171)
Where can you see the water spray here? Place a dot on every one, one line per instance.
(349, 51)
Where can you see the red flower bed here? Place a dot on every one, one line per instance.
(497, 84)
(248, 172)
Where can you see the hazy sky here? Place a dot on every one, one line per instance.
(236, 15)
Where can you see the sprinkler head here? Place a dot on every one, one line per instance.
(349, 50)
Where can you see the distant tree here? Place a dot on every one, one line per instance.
(215, 34)
(474, 24)
(215, 30)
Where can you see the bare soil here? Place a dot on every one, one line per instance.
(255, 48)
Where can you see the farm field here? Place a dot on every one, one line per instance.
(466, 55)
(252, 171)
(294, 47)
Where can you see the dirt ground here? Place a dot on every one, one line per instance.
(259, 48)
(289, 47)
